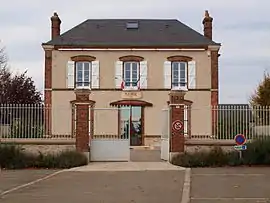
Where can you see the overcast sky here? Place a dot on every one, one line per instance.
(242, 26)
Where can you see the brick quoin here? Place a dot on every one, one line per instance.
(214, 70)
(214, 89)
(48, 91)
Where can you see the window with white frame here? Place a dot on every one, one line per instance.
(83, 74)
(131, 72)
(179, 75)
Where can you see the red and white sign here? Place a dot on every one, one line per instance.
(177, 125)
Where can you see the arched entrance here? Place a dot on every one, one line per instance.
(132, 122)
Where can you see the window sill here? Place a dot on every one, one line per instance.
(180, 88)
(131, 89)
(81, 88)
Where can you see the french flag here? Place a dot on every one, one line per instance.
(122, 85)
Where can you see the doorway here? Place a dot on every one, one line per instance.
(132, 124)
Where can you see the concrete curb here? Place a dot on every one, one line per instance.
(127, 166)
(186, 187)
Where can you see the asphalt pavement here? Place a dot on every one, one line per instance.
(141, 186)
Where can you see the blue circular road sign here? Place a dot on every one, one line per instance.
(240, 139)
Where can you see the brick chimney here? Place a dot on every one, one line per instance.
(207, 25)
(56, 22)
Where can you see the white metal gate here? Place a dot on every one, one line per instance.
(165, 136)
(110, 138)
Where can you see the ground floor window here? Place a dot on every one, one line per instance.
(131, 124)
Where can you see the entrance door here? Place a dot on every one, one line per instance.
(134, 125)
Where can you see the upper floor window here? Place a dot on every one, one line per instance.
(83, 74)
(179, 75)
(131, 74)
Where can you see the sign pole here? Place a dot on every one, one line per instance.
(240, 154)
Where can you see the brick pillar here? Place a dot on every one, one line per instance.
(177, 142)
(82, 104)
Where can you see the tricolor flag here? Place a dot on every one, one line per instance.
(122, 85)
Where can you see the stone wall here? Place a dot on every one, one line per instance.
(200, 148)
(152, 141)
(194, 145)
(42, 145)
(45, 149)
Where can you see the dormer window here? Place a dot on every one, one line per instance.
(132, 25)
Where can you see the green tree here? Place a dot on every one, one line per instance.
(261, 96)
(17, 91)
(260, 101)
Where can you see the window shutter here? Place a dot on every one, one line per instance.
(118, 74)
(143, 74)
(95, 75)
(70, 74)
(192, 75)
(167, 75)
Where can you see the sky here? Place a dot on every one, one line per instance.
(242, 27)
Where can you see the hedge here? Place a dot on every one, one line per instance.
(14, 157)
(257, 153)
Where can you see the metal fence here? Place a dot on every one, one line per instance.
(223, 122)
(35, 121)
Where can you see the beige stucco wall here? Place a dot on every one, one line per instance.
(106, 119)
(62, 112)
(155, 61)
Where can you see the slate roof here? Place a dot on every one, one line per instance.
(113, 33)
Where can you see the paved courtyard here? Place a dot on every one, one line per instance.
(138, 182)
(13, 178)
(145, 155)
(148, 183)
(228, 185)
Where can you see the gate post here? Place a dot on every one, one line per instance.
(82, 105)
(177, 107)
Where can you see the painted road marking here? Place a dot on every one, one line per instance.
(30, 183)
